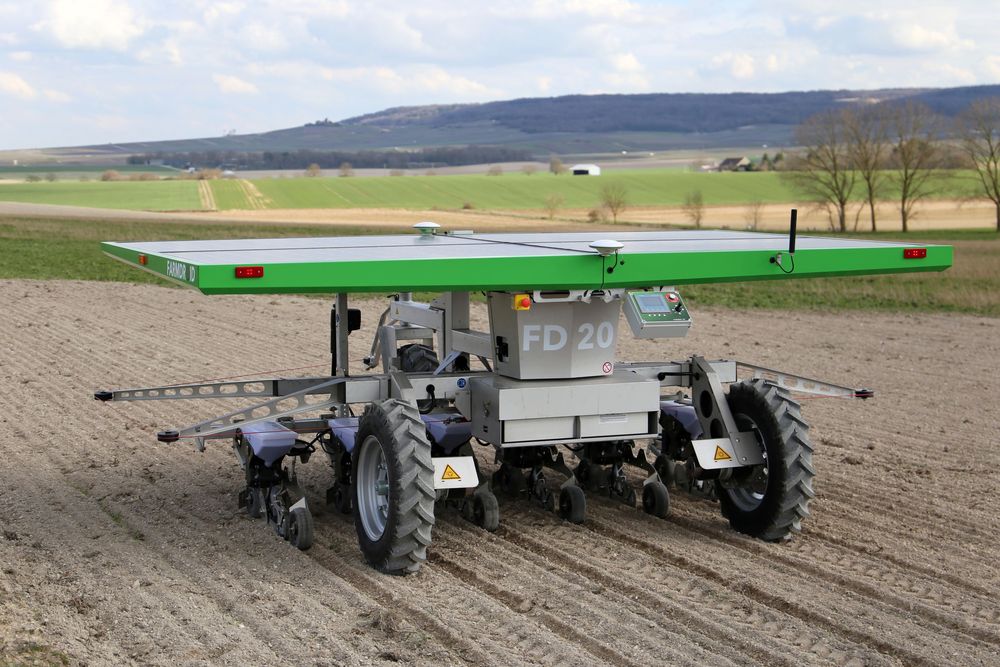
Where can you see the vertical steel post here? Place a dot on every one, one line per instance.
(339, 347)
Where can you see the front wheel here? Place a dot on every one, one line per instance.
(392, 487)
(770, 500)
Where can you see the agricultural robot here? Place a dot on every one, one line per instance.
(542, 389)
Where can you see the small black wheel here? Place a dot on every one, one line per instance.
(664, 467)
(300, 528)
(483, 510)
(572, 504)
(656, 499)
(630, 497)
(255, 503)
(342, 498)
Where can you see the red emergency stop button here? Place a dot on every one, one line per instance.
(672, 297)
(522, 302)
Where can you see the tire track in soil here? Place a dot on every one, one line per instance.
(474, 538)
(813, 618)
(206, 195)
(712, 636)
(809, 554)
(776, 624)
(521, 626)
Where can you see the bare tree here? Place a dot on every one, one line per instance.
(980, 131)
(346, 169)
(694, 207)
(752, 214)
(313, 170)
(868, 150)
(556, 165)
(824, 171)
(614, 198)
(552, 204)
(528, 169)
(495, 170)
(912, 128)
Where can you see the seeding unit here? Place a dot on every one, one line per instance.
(544, 377)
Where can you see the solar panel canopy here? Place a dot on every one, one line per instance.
(530, 261)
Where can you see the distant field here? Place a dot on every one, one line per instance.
(59, 169)
(648, 187)
(132, 195)
(68, 249)
(510, 191)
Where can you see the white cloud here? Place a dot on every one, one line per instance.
(14, 85)
(992, 64)
(740, 65)
(57, 96)
(8, 39)
(916, 37)
(92, 24)
(234, 85)
(626, 62)
(414, 79)
(20, 56)
(544, 84)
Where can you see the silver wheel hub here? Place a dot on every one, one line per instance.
(373, 488)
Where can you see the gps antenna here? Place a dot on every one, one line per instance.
(791, 231)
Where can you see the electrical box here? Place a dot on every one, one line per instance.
(548, 337)
(659, 314)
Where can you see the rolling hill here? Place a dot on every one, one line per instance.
(574, 124)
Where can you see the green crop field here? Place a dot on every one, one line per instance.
(505, 192)
(520, 191)
(68, 249)
(132, 195)
(11, 171)
(229, 195)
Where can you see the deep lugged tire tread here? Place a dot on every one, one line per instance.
(796, 491)
(414, 487)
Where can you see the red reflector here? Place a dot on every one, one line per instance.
(915, 253)
(143, 260)
(249, 271)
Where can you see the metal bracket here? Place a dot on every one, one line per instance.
(717, 421)
(804, 385)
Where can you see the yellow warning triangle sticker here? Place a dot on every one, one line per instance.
(721, 454)
(449, 474)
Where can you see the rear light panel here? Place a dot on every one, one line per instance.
(915, 253)
(249, 271)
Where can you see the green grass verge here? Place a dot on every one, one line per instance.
(130, 195)
(649, 187)
(68, 249)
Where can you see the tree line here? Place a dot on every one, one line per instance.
(897, 148)
(424, 158)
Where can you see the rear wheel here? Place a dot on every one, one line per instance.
(393, 487)
(483, 510)
(656, 499)
(417, 358)
(769, 501)
(572, 504)
(300, 528)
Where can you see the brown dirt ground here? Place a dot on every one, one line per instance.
(115, 549)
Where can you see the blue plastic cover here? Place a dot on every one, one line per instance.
(685, 414)
(345, 429)
(270, 441)
(449, 430)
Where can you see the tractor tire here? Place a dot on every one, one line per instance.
(771, 503)
(416, 358)
(392, 487)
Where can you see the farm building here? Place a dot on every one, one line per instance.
(585, 170)
(735, 164)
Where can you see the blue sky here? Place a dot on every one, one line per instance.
(101, 71)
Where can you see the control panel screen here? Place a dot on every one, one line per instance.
(652, 303)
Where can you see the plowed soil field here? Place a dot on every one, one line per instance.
(116, 549)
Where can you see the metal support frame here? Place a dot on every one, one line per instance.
(716, 419)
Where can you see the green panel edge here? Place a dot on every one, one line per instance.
(527, 273)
